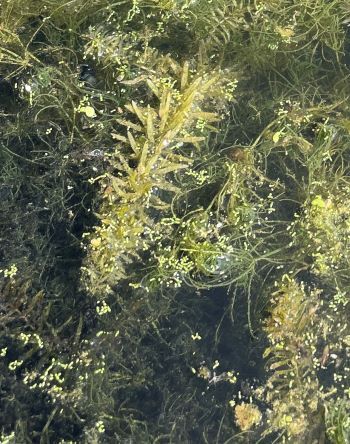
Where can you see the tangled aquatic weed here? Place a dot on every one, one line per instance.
(175, 207)
(154, 144)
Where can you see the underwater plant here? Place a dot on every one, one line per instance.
(154, 147)
(307, 362)
(174, 189)
(292, 388)
(337, 421)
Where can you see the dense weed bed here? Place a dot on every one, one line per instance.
(175, 221)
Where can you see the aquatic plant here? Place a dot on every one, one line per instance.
(306, 380)
(247, 416)
(203, 149)
(292, 388)
(337, 421)
(154, 146)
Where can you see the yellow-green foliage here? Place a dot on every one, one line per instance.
(294, 28)
(269, 34)
(200, 252)
(224, 242)
(247, 416)
(175, 206)
(300, 323)
(328, 224)
(338, 421)
(204, 244)
(292, 388)
(325, 224)
(159, 138)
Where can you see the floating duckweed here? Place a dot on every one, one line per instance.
(174, 221)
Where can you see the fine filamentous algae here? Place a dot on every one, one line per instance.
(174, 221)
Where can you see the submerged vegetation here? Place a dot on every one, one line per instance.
(175, 221)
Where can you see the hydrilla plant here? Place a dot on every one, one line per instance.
(155, 140)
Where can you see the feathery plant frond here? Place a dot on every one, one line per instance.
(292, 388)
(159, 140)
